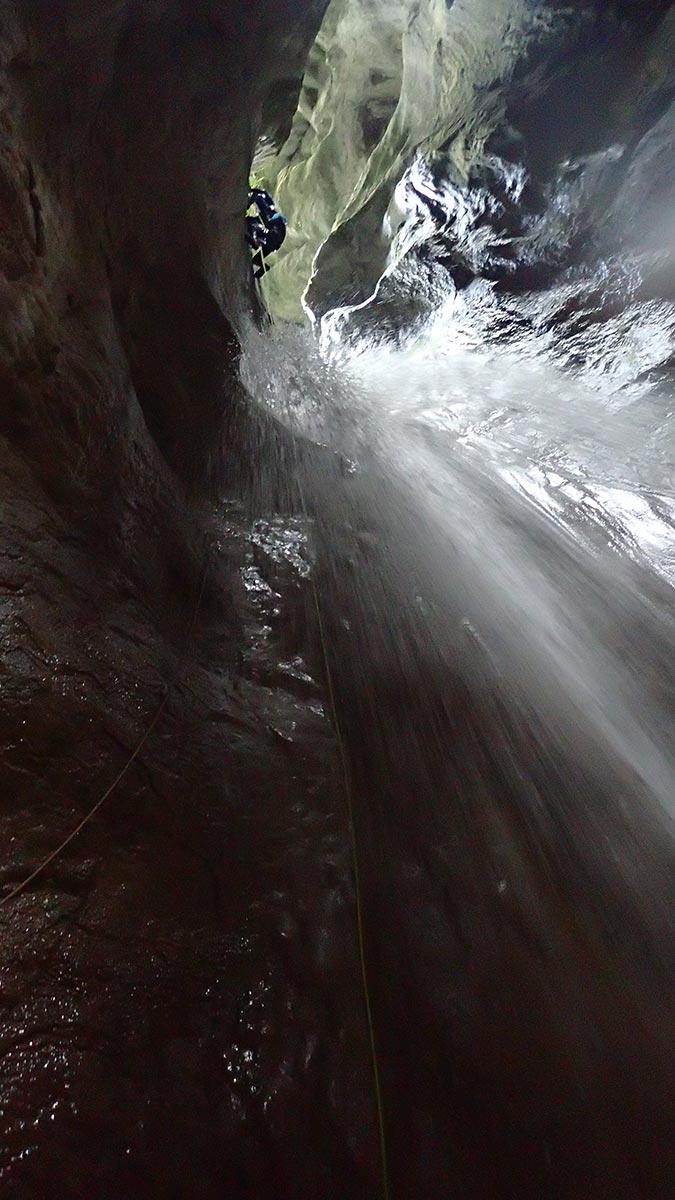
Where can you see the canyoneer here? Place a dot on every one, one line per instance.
(265, 232)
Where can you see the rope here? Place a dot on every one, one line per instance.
(20, 887)
(360, 930)
(356, 872)
(42, 866)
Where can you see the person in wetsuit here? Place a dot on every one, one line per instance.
(265, 232)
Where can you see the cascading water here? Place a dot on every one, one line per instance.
(484, 458)
(495, 545)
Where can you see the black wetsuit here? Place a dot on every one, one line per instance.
(266, 232)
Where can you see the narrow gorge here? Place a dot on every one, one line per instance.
(338, 640)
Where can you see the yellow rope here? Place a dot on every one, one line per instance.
(360, 931)
(20, 887)
(42, 866)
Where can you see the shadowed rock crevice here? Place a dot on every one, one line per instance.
(156, 994)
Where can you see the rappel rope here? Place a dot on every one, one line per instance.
(358, 899)
(89, 816)
(356, 873)
(349, 804)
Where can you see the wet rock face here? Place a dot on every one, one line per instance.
(382, 81)
(160, 979)
(559, 235)
(486, 141)
(125, 160)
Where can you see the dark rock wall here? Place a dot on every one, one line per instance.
(126, 142)
(154, 1005)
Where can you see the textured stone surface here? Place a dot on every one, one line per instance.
(383, 82)
(389, 86)
(160, 981)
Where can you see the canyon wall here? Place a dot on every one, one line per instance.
(418, 127)
(145, 963)
(181, 1001)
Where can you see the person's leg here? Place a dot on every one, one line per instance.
(254, 228)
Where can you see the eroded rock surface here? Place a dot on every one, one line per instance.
(160, 1030)
(456, 134)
